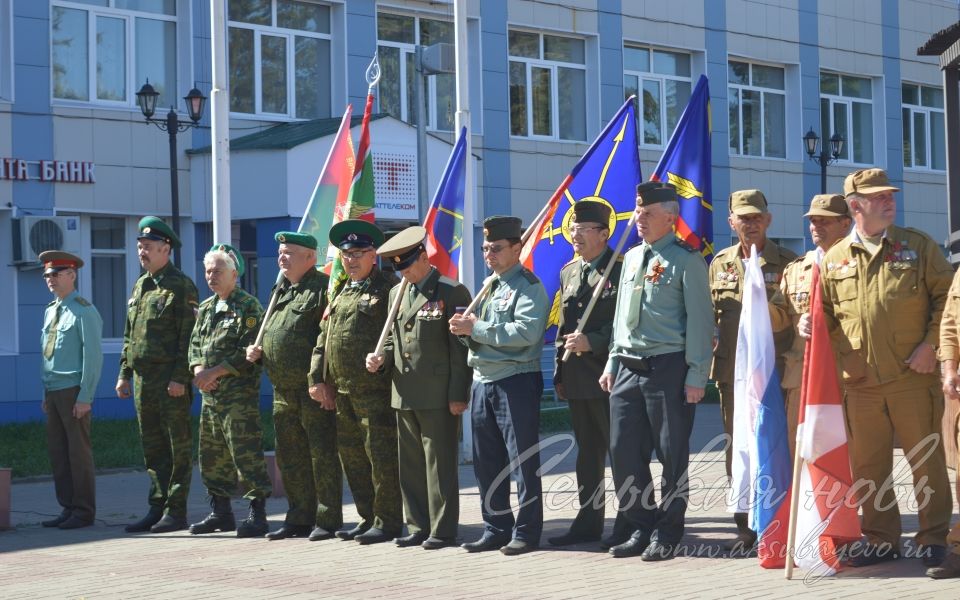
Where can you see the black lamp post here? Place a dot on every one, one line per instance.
(811, 140)
(147, 99)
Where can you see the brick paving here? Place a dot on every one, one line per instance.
(105, 562)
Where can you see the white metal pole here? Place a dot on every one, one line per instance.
(220, 125)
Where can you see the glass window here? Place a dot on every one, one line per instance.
(757, 110)
(846, 108)
(518, 98)
(256, 12)
(396, 28)
(304, 16)
(636, 59)
(563, 49)
(71, 77)
(273, 71)
(924, 136)
(161, 7)
(663, 87)
(111, 59)
(240, 44)
(671, 63)
(524, 44)
(108, 272)
(157, 58)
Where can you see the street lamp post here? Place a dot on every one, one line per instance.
(147, 99)
(811, 140)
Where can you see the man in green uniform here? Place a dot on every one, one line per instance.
(306, 431)
(577, 379)
(231, 439)
(366, 424)
(431, 387)
(749, 219)
(161, 313)
(656, 373)
(505, 338)
(72, 359)
(884, 289)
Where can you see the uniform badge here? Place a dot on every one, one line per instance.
(251, 322)
(655, 272)
(900, 257)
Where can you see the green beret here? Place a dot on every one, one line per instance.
(153, 228)
(232, 253)
(654, 192)
(501, 228)
(356, 233)
(404, 248)
(591, 211)
(296, 238)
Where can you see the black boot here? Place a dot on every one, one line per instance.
(146, 522)
(255, 525)
(221, 519)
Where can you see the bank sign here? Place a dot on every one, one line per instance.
(53, 171)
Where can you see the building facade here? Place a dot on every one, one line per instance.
(77, 157)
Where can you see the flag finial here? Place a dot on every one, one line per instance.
(373, 73)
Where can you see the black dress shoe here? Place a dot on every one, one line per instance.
(349, 534)
(414, 539)
(289, 531)
(865, 554)
(570, 538)
(517, 547)
(319, 533)
(658, 551)
(742, 544)
(374, 535)
(75, 522)
(632, 547)
(614, 539)
(486, 543)
(169, 523)
(948, 569)
(55, 522)
(932, 554)
(148, 521)
(435, 543)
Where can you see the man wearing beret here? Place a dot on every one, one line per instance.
(884, 290)
(505, 338)
(366, 424)
(656, 374)
(161, 312)
(231, 440)
(431, 387)
(71, 362)
(577, 379)
(749, 219)
(306, 431)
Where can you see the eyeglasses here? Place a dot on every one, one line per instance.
(55, 274)
(355, 255)
(577, 229)
(491, 249)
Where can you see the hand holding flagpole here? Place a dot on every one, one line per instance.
(394, 309)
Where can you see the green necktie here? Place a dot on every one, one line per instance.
(52, 333)
(636, 294)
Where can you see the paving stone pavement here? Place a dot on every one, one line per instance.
(104, 562)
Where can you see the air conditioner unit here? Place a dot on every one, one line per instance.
(440, 58)
(48, 233)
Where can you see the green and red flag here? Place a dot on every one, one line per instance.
(333, 185)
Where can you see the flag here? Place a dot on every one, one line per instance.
(608, 172)
(333, 185)
(760, 484)
(444, 223)
(686, 164)
(826, 517)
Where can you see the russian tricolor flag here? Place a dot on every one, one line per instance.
(761, 470)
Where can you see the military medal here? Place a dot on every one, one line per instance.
(655, 272)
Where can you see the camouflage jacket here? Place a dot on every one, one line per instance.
(161, 312)
(292, 329)
(223, 331)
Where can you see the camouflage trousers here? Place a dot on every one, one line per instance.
(307, 457)
(167, 441)
(368, 450)
(231, 445)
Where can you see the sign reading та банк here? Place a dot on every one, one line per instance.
(56, 171)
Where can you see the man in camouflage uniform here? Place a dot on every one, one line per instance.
(366, 423)
(156, 338)
(749, 219)
(306, 431)
(231, 439)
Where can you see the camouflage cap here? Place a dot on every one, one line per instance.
(867, 181)
(355, 233)
(655, 192)
(748, 202)
(591, 211)
(404, 248)
(154, 228)
(55, 261)
(296, 238)
(828, 205)
(501, 228)
(232, 253)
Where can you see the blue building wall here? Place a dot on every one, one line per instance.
(715, 43)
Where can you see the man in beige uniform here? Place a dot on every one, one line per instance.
(950, 355)
(884, 289)
(749, 219)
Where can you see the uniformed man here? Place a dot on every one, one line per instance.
(505, 338)
(161, 313)
(749, 219)
(656, 373)
(577, 380)
(884, 289)
(231, 438)
(431, 387)
(366, 423)
(71, 362)
(306, 430)
(829, 222)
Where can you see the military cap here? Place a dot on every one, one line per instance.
(232, 253)
(153, 228)
(297, 239)
(55, 261)
(501, 228)
(404, 248)
(655, 192)
(748, 202)
(590, 211)
(867, 181)
(828, 205)
(355, 233)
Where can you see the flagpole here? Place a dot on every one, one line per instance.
(394, 309)
(794, 504)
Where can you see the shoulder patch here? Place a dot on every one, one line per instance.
(82, 301)
(683, 244)
(529, 276)
(250, 322)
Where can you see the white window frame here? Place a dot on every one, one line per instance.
(290, 36)
(661, 79)
(762, 90)
(926, 110)
(552, 66)
(848, 102)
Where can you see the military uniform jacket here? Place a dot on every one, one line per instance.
(428, 366)
(795, 294)
(161, 312)
(292, 329)
(223, 331)
(350, 330)
(949, 330)
(726, 289)
(880, 308)
(581, 373)
(77, 354)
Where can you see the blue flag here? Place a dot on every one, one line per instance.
(444, 222)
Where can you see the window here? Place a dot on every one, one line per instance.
(757, 104)
(397, 38)
(661, 80)
(104, 52)
(108, 256)
(924, 136)
(547, 73)
(279, 58)
(846, 107)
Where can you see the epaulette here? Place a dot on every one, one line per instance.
(82, 301)
(620, 258)
(683, 244)
(529, 276)
(919, 232)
